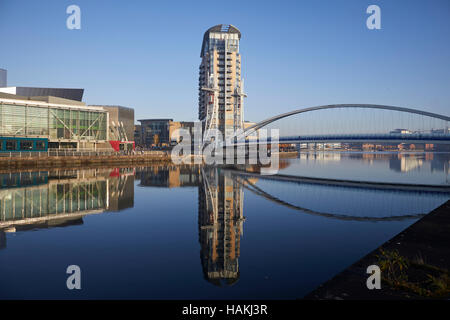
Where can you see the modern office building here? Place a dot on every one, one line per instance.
(61, 122)
(121, 127)
(161, 132)
(35, 113)
(221, 88)
(155, 132)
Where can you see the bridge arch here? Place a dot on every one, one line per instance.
(335, 106)
(353, 123)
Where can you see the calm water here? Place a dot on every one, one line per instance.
(200, 232)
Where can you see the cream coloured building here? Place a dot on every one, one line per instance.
(221, 88)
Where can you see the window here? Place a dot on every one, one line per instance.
(40, 145)
(26, 145)
(11, 145)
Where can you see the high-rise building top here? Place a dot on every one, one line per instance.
(221, 89)
(221, 31)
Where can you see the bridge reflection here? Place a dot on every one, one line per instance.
(221, 205)
(58, 198)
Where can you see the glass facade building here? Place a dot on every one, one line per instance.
(58, 123)
(155, 132)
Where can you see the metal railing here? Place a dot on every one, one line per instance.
(77, 153)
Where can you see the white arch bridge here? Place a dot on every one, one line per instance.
(352, 123)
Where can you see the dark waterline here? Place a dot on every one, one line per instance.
(200, 232)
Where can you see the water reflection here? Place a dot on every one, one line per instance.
(168, 176)
(400, 162)
(59, 198)
(220, 215)
(321, 227)
(407, 167)
(221, 205)
(220, 221)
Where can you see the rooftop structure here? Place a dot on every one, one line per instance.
(66, 93)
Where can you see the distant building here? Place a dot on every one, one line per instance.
(162, 132)
(188, 126)
(401, 131)
(155, 132)
(221, 89)
(121, 127)
(137, 135)
(3, 78)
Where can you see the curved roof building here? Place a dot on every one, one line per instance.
(219, 29)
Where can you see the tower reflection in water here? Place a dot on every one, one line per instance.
(58, 198)
(220, 220)
(220, 215)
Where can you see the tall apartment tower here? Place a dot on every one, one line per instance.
(221, 89)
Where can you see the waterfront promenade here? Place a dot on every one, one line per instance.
(63, 158)
(423, 251)
(67, 158)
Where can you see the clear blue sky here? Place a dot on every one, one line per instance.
(145, 54)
